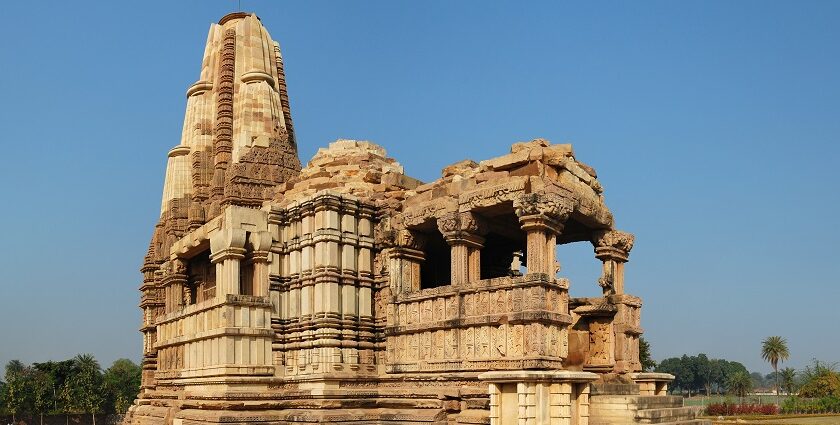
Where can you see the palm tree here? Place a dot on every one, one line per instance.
(774, 349)
(788, 376)
(14, 367)
(86, 362)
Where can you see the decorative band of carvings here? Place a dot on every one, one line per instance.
(338, 202)
(215, 371)
(527, 281)
(216, 333)
(324, 275)
(475, 365)
(228, 300)
(305, 323)
(323, 235)
(524, 317)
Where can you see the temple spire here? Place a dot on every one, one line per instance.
(237, 142)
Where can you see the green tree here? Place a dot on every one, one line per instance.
(702, 373)
(820, 380)
(648, 364)
(3, 398)
(739, 384)
(757, 380)
(774, 349)
(717, 369)
(59, 373)
(122, 381)
(83, 390)
(671, 365)
(42, 393)
(788, 378)
(18, 389)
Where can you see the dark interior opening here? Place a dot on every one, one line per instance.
(497, 256)
(436, 270)
(246, 278)
(201, 281)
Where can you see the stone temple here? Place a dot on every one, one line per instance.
(346, 292)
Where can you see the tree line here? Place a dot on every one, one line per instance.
(700, 374)
(812, 389)
(75, 386)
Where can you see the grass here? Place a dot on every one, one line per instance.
(782, 420)
(705, 401)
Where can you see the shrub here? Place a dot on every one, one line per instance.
(732, 409)
(824, 385)
(819, 405)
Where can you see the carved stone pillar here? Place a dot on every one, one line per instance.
(173, 284)
(627, 332)
(260, 244)
(227, 249)
(541, 217)
(612, 247)
(462, 232)
(405, 255)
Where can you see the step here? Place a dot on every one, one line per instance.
(665, 415)
(658, 401)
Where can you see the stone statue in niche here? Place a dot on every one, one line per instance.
(516, 264)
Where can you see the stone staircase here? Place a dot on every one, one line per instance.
(608, 409)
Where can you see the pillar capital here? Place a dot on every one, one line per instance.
(543, 211)
(175, 271)
(230, 253)
(462, 228)
(613, 245)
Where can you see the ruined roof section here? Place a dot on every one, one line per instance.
(536, 166)
(358, 168)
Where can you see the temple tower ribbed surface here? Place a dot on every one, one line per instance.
(237, 142)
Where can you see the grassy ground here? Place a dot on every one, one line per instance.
(705, 401)
(783, 420)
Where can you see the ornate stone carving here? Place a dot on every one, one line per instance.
(460, 225)
(552, 206)
(614, 239)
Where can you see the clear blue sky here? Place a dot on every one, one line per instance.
(714, 127)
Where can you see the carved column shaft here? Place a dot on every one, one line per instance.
(541, 217)
(260, 261)
(612, 247)
(460, 262)
(174, 285)
(461, 231)
(405, 257)
(227, 264)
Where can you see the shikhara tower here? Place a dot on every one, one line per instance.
(347, 292)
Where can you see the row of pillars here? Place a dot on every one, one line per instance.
(541, 217)
(228, 251)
